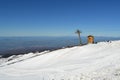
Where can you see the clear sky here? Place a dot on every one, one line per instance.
(59, 17)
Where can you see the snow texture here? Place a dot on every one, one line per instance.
(99, 61)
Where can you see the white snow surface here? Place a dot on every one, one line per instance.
(99, 61)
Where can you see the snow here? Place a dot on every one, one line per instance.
(99, 61)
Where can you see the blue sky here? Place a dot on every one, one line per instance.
(59, 17)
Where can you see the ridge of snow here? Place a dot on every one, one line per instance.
(18, 58)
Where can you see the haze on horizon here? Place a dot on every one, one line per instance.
(59, 17)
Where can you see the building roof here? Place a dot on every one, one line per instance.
(90, 36)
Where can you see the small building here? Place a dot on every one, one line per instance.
(90, 39)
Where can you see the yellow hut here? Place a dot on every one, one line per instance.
(90, 39)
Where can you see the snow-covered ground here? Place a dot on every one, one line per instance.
(99, 61)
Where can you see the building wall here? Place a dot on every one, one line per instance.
(90, 39)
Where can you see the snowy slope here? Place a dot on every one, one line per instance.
(90, 62)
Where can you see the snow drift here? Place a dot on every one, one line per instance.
(99, 61)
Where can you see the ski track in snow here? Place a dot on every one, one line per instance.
(99, 61)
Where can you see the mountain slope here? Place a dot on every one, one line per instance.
(93, 61)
